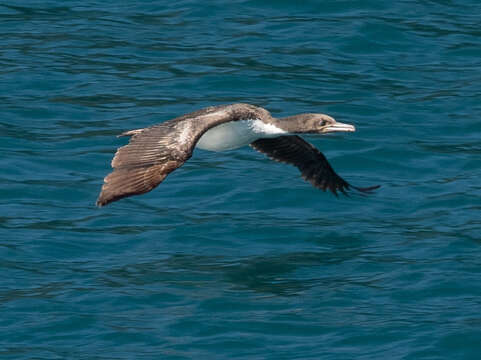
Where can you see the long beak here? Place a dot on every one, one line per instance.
(338, 126)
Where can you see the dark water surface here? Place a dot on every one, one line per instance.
(234, 256)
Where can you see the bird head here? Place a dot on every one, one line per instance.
(314, 124)
(323, 124)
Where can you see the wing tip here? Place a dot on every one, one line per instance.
(106, 198)
(366, 190)
(124, 182)
(345, 189)
(111, 195)
(101, 202)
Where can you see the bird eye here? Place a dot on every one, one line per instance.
(323, 123)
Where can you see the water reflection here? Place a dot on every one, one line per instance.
(269, 274)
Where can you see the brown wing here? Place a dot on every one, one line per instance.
(144, 163)
(311, 162)
(154, 152)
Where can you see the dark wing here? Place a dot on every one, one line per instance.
(154, 152)
(311, 162)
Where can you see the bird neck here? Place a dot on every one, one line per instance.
(290, 124)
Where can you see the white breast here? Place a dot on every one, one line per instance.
(236, 134)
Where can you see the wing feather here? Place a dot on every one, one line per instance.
(154, 152)
(310, 161)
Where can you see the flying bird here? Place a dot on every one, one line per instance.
(154, 152)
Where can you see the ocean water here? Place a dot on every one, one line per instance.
(234, 256)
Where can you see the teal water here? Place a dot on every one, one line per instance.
(234, 256)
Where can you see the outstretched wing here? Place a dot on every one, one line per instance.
(145, 162)
(311, 162)
(156, 151)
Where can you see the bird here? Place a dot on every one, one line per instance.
(154, 152)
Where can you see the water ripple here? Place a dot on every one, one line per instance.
(235, 256)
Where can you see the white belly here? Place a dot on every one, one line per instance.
(235, 134)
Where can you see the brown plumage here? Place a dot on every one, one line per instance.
(156, 151)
